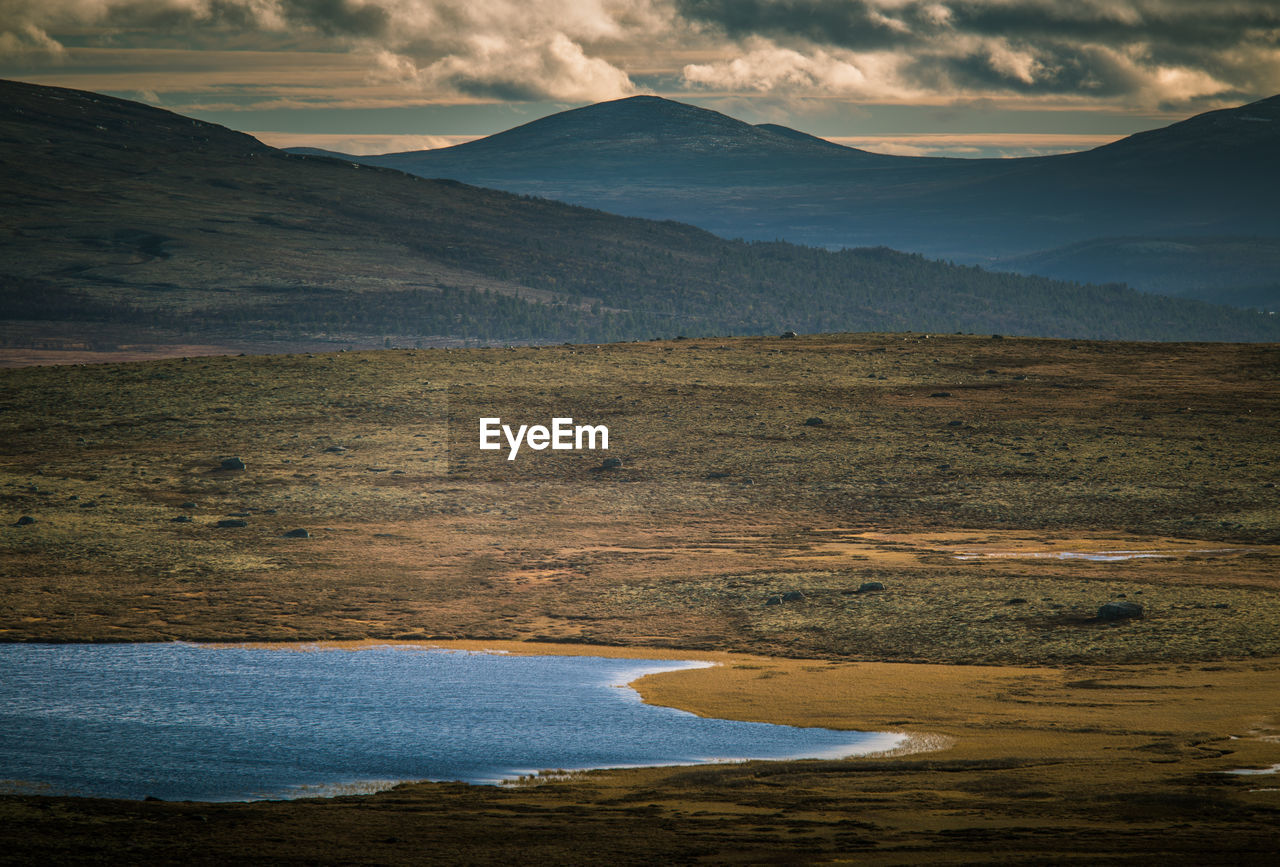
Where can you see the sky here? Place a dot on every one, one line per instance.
(927, 77)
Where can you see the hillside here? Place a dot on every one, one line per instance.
(117, 213)
(1240, 271)
(1210, 175)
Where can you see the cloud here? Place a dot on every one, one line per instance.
(1151, 51)
(1135, 53)
(499, 49)
(765, 67)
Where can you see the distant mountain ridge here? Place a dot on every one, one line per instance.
(1211, 175)
(117, 213)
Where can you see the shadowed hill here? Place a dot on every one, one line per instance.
(1210, 175)
(117, 212)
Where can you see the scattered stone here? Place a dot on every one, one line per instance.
(789, 335)
(182, 519)
(336, 449)
(718, 475)
(793, 596)
(1017, 600)
(813, 421)
(299, 533)
(955, 423)
(187, 505)
(870, 586)
(1120, 611)
(997, 337)
(941, 394)
(240, 514)
(611, 464)
(773, 600)
(233, 522)
(232, 464)
(24, 521)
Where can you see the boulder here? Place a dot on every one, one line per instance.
(182, 519)
(870, 586)
(611, 464)
(232, 464)
(24, 521)
(1120, 611)
(789, 335)
(299, 533)
(813, 421)
(233, 522)
(793, 596)
(773, 600)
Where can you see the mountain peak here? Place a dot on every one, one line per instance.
(644, 127)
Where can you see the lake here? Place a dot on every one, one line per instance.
(216, 723)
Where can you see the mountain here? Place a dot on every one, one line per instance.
(1240, 271)
(114, 213)
(1211, 175)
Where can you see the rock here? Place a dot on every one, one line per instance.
(789, 335)
(336, 449)
(232, 464)
(1120, 611)
(773, 600)
(182, 519)
(233, 522)
(24, 521)
(941, 394)
(611, 464)
(1017, 600)
(870, 586)
(187, 505)
(955, 423)
(299, 533)
(793, 596)
(813, 421)
(718, 475)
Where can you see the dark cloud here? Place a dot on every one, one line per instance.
(1190, 23)
(857, 25)
(866, 25)
(1060, 69)
(1089, 47)
(339, 17)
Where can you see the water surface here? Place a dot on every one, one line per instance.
(189, 722)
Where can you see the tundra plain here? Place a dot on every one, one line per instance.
(763, 483)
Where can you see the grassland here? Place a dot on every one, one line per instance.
(1063, 736)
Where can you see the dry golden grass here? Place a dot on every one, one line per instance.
(1091, 740)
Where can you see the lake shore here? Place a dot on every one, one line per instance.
(1104, 762)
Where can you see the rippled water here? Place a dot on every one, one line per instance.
(181, 721)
